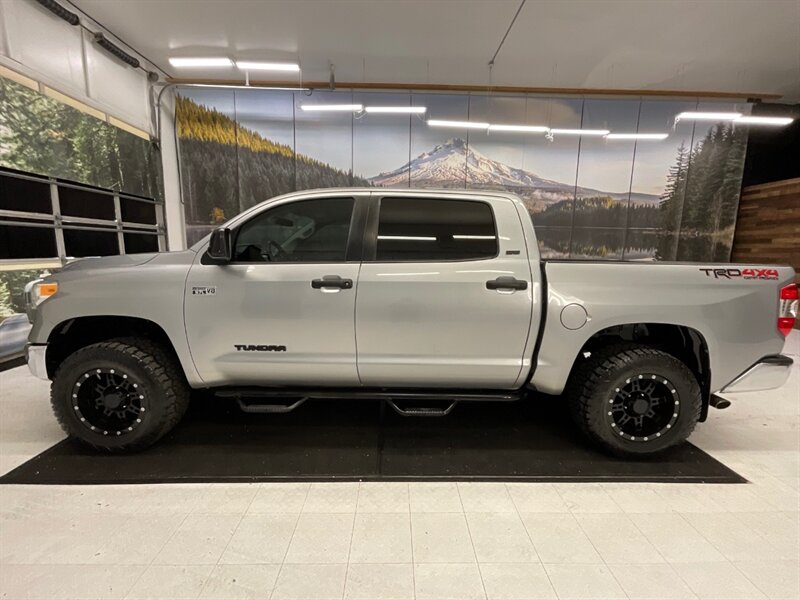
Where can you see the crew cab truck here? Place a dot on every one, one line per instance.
(405, 295)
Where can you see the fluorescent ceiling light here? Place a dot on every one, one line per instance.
(709, 116)
(396, 109)
(407, 238)
(246, 65)
(637, 136)
(525, 128)
(333, 107)
(473, 237)
(581, 131)
(764, 120)
(227, 86)
(465, 124)
(201, 62)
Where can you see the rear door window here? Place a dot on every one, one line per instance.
(433, 229)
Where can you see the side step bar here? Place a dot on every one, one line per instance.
(422, 411)
(408, 403)
(257, 407)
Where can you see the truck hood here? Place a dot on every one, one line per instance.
(129, 260)
(105, 262)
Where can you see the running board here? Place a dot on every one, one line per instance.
(403, 402)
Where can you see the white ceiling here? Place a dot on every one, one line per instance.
(709, 45)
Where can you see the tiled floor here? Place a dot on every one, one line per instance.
(417, 540)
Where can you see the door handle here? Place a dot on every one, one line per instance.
(332, 281)
(506, 283)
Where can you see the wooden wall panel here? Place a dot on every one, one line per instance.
(768, 225)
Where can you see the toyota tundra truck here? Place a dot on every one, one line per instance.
(420, 298)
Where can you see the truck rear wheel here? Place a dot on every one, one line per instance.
(120, 395)
(634, 400)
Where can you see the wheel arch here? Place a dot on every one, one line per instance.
(78, 332)
(685, 343)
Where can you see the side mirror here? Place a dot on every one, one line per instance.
(219, 248)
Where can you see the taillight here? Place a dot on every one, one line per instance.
(787, 313)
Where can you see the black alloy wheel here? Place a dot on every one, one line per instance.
(646, 406)
(109, 400)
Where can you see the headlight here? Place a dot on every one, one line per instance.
(36, 292)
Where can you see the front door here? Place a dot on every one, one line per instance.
(443, 300)
(282, 312)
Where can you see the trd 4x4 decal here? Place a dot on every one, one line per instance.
(749, 273)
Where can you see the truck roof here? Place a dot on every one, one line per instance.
(404, 190)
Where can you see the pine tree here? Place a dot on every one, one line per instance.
(671, 205)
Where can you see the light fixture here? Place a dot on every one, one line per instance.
(332, 107)
(753, 120)
(60, 11)
(637, 136)
(708, 116)
(248, 87)
(580, 131)
(201, 62)
(521, 128)
(463, 124)
(247, 65)
(115, 50)
(416, 110)
(408, 238)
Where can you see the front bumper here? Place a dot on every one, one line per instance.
(768, 373)
(35, 355)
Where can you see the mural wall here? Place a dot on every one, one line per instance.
(590, 197)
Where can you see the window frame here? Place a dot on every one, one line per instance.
(355, 234)
(373, 224)
(55, 219)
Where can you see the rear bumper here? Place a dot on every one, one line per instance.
(35, 354)
(768, 373)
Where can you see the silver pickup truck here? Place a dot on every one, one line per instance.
(421, 298)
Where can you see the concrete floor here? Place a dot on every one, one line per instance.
(417, 540)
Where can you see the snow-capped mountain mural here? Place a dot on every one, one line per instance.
(685, 188)
(454, 162)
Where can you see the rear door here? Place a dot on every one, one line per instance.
(445, 293)
(282, 312)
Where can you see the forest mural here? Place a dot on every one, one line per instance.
(44, 136)
(590, 198)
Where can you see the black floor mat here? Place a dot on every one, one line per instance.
(531, 440)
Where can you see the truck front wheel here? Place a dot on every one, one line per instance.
(633, 399)
(120, 395)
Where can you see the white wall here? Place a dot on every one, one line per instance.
(35, 42)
